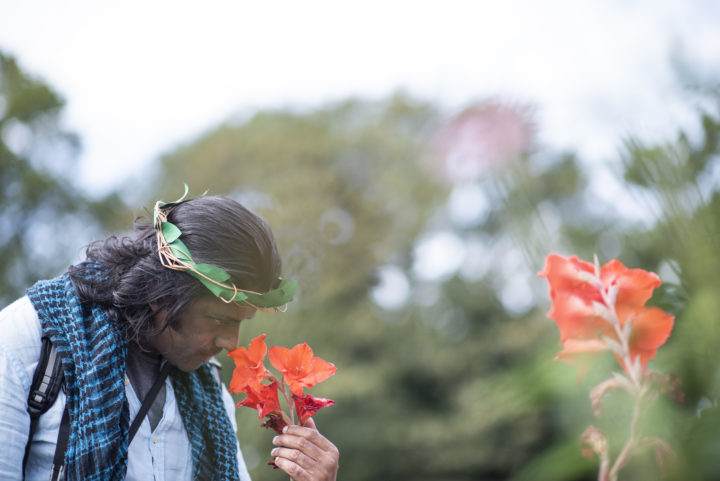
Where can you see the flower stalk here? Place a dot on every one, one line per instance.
(602, 308)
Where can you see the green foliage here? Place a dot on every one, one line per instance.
(43, 214)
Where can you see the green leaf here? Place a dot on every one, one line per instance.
(170, 231)
(161, 205)
(181, 251)
(213, 272)
(183, 196)
(219, 291)
(277, 297)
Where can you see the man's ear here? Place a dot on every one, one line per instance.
(159, 316)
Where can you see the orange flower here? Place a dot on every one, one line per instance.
(299, 368)
(574, 277)
(583, 306)
(249, 367)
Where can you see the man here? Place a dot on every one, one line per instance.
(136, 326)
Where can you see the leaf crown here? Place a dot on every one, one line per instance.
(175, 255)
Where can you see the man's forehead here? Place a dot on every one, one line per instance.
(213, 305)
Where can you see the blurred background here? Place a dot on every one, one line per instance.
(417, 161)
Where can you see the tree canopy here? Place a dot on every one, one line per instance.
(44, 217)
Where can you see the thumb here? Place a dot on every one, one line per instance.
(309, 423)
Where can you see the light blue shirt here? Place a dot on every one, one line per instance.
(160, 455)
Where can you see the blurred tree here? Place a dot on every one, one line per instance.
(43, 215)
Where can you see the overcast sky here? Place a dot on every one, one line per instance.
(140, 77)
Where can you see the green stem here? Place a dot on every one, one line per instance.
(289, 402)
(631, 443)
(637, 381)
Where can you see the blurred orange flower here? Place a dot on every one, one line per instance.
(600, 309)
(299, 368)
(590, 304)
(651, 327)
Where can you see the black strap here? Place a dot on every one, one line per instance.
(46, 383)
(61, 446)
(147, 402)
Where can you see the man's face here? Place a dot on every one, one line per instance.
(206, 327)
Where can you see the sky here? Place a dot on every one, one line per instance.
(141, 78)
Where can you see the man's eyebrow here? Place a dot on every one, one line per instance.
(223, 317)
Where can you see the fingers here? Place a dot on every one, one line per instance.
(305, 454)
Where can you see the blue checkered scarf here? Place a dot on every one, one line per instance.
(93, 350)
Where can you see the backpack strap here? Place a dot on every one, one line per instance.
(62, 443)
(46, 384)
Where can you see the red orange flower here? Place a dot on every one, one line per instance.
(299, 368)
(308, 405)
(249, 367)
(264, 400)
(590, 304)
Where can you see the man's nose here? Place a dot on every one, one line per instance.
(228, 338)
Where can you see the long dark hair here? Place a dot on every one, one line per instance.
(216, 230)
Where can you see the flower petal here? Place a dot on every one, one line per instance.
(249, 368)
(635, 286)
(299, 368)
(651, 328)
(576, 318)
(264, 400)
(581, 353)
(306, 406)
(257, 348)
(569, 275)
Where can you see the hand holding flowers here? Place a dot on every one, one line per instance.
(302, 451)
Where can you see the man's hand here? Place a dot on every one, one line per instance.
(305, 454)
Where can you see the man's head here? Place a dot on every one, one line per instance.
(150, 298)
(175, 255)
(220, 232)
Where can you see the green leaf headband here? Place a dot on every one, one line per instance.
(175, 255)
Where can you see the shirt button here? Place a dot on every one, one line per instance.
(154, 439)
